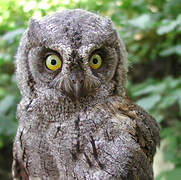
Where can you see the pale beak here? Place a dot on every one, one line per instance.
(77, 84)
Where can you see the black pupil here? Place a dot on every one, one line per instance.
(53, 62)
(95, 61)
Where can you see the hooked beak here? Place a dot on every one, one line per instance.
(77, 84)
(72, 84)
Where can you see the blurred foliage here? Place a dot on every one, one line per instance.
(151, 30)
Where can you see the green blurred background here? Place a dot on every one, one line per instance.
(151, 30)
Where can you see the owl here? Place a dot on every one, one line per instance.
(75, 121)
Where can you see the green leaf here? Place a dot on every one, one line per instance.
(149, 102)
(141, 22)
(6, 103)
(2, 92)
(150, 86)
(157, 115)
(171, 50)
(150, 89)
(174, 174)
(179, 103)
(168, 25)
(167, 101)
(10, 36)
(4, 58)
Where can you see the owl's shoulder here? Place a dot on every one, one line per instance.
(136, 121)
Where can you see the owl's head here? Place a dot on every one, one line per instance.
(73, 53)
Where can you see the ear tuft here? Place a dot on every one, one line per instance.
(33, 29)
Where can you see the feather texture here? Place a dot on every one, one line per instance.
(77, 122)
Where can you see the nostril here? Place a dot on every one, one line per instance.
(81, 81)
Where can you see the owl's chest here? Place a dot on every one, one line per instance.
(62, 139)
(66, 132)
(65, 141)
(73, 132)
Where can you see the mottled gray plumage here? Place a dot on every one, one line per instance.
(77, 122)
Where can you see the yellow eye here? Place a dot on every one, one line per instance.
(53, 62)
(95, 61)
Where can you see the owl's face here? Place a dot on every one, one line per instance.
(73, 52)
